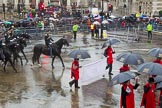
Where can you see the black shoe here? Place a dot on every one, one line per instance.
(70, 84)
(103, 75)
(111, 74)
(77, 87)
(106, 67)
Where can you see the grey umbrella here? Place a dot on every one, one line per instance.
(130, 58)
(112, 41)
(150, 68)
(159, 86)
(82, 54)
(122, 77)
(158, 79)
(155, 52)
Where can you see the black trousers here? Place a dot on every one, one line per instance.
(92, 33)
(75, 33)
(110, 68)
(74, 82)
(149, 35)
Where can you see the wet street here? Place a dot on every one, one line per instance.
(42, 87)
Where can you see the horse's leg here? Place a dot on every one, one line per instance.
(12, 65)
(4, 66)
(22, 51)
(18, 56)
(62, 61)
(53, 61)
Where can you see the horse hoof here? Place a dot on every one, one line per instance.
(53, 67)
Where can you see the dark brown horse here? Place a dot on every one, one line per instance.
(43, 49)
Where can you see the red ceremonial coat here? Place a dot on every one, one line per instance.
(157, 61)
(75, 71)
(159, 97)
(124, 68)
(148, 99)
(109, 55)
(128, 98)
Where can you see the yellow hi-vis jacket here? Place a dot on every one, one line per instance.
(92, 27)
(75, 27)
(149, 27)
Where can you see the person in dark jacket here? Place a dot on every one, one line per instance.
(48, 42)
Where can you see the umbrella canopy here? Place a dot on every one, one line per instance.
(82, 54)
(105, 22)
(155, 52)
(50, 4)
(158, 79)
(159, 86)
(96, 23)
(150, 68)
(130, 58)
(7, 22)
(112, 41)
(122, 77)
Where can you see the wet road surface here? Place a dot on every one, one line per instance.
(42, 87)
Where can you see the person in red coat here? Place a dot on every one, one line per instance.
(109, 53)
(75, 73)
(124, 68)
(127, 95)
(148, 99)
(158, 60)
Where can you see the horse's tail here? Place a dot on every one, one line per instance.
(34, 55)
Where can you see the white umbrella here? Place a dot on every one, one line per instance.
(53, 19)
(105, 22)
(96, 23)
(112, 16)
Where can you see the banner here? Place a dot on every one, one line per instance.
(93, 71)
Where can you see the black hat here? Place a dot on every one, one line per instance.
(151, 80)
(76, 58)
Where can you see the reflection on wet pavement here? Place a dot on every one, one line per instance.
(42, 87)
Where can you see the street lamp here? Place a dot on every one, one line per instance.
(102, 18)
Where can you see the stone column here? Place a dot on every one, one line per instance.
(27, 4)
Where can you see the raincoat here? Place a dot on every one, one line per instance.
(148, 99)
(109, 55)
(127, 96)
(75, 70)
(124, 68)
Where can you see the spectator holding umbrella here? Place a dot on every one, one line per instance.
(124, 68)
(109, 52)
(148, 99)
(127, 94)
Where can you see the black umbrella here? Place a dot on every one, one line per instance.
(122, 77)
(82, 54)
(130, 58)
(155, 52)
(112, 41)
(150, 68)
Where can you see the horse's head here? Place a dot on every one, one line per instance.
(65, 42)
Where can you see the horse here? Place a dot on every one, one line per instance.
(6, 59)
(17, 45)
(43, 49)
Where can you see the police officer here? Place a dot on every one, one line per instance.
(92, 30)
(48, 42)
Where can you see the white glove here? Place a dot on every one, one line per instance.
(128, 90)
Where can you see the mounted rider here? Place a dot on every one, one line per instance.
(48, 42)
